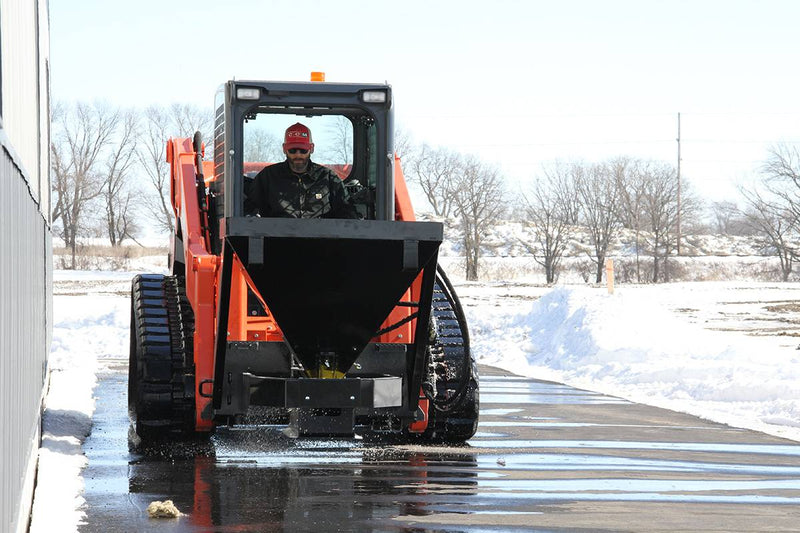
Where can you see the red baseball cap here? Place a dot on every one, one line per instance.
(297, 136)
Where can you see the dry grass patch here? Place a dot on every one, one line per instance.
(104, 257)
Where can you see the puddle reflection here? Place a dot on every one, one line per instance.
(552, 399)
(561, 462)
(254, 478)
(711, 447)
(260, 480)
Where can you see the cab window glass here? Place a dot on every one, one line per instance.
(332, 136)
(344, 143)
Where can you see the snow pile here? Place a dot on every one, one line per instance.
(627, 345)
(86, 330)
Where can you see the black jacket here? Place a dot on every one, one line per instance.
(317, 193)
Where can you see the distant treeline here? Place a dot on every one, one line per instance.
(110, 178)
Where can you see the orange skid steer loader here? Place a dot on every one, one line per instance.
(340, 326)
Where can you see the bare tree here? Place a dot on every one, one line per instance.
(116, 190)
(781, 177)
(781, 172)
(151, 152)
(599, 196)
(631, 206)
(81, 134)
(660, 210)
(341, 150)
(649, 206)
(158, 125)
(404, 144)
(552, 210)
(773, 209)
(188, 118)
(728, 219)
(262, 146)
(724, 213)
(479, 202)
(437, 171)
(776, 225)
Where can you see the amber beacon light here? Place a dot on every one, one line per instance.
(317, 76)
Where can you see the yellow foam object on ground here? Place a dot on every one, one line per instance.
(165, 509)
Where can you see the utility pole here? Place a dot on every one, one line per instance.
(679, 183)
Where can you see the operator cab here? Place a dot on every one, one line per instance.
(351, 126)
(344, 144)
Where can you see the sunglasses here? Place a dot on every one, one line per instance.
(298, 151)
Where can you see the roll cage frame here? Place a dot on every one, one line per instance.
(305, 99)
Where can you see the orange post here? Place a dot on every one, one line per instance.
(402, 200)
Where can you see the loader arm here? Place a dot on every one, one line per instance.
(199, 267)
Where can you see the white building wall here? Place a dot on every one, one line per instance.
(21, 92)
(25, 251)
(43, 79)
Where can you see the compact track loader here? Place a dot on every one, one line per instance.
(333, 327)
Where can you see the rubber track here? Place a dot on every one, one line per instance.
(452, 419)
(161, 376)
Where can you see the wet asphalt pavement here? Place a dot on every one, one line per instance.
(547, 457)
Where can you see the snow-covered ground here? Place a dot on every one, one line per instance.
(724, 351)
(90, 328)
(721, 350)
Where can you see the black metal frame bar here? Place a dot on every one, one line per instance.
(223, 309)
(332, 229)
(417, 366)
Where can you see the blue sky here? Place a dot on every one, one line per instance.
(518, 83)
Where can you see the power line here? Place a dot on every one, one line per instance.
(566, 143)
(615, 142)
(665, 115)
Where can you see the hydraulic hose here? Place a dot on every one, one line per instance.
(449, 292)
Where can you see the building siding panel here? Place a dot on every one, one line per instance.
(25, 311)
(20, 63)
